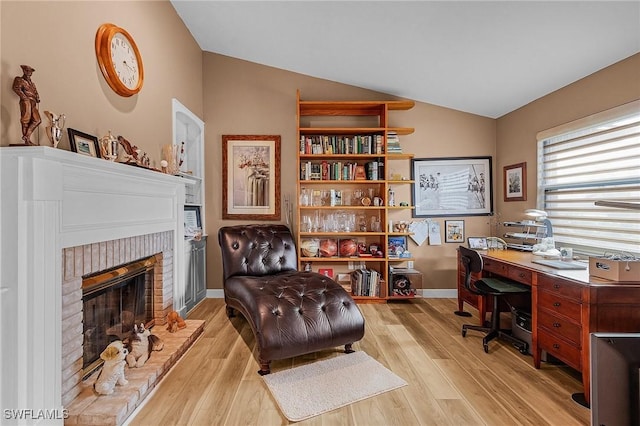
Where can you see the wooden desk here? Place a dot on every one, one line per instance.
(566, 306)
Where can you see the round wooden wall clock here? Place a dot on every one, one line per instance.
(119, 60)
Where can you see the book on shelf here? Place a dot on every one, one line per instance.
(365, 282)
(393, 143)
(372, 170)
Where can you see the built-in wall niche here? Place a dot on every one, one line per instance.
(188, 137)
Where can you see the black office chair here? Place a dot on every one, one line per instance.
(496, 288)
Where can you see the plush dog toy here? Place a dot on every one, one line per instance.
(175, 322)
(140, 344)
(113, 369)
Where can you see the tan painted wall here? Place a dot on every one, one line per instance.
(57, 39)
(238, 97)
(246, 98)
(516, 132)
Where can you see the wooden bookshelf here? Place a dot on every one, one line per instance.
(325, 224)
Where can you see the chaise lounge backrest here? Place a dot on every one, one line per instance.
(256, 250)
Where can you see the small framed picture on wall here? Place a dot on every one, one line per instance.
(515, 182)
(454, 231)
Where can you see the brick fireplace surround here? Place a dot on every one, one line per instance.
(65, 215)
(84, 406)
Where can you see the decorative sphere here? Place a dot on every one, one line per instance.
(309, 247)
(348, 248)
(328, 247)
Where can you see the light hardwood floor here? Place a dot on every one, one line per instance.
(451, 380)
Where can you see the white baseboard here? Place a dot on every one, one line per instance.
(439, 293)
(215, 293)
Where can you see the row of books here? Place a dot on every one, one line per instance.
(333, 144)
(373, 170)
(365, 282)
(393, 143)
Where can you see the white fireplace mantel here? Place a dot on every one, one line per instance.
(50, 200)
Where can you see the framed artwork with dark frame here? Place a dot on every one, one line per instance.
(192, 217)
(83, 143)
(251, 177)
(454, 186)
(515, 182)
(454, 231)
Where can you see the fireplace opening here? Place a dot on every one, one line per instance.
(112, 302)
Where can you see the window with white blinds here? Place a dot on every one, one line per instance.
(585, 168)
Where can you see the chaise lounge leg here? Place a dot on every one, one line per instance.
(231, 313)
(348, 349)
(264, 368)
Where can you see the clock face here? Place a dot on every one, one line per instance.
(119, 60)
(124, 61)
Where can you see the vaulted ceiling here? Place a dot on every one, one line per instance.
(486, 58)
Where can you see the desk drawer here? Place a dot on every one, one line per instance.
(519, 274)
(499, 268)
(515, 273)
(558, 286)
(560, 348)
(559, 305)
(559, 326)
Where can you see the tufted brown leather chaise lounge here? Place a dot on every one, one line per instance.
(290, 312)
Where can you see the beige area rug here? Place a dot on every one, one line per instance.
(313, 389)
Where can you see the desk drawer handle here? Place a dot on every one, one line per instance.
(556, 304)
(521, 275)
(556, 346)
(556, 324)
(556, 286)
